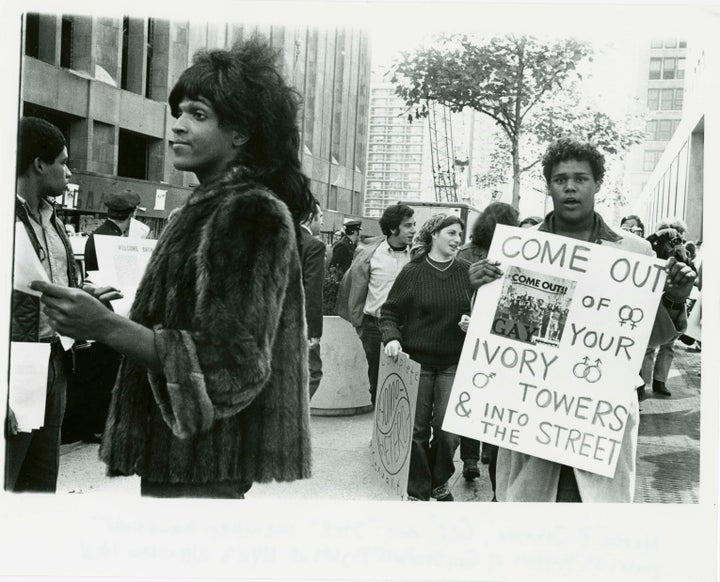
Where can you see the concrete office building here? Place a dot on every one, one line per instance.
(661, 70)
(678, 181)
(396, 153)
(105, 82)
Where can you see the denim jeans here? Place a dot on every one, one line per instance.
(657, 367)
(469, 449)
(371, 339)
(432, 451)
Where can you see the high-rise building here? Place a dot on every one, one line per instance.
(396, 152)
(676, 186)
(105, 82)
(661, 66)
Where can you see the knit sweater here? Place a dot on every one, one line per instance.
(423, 310)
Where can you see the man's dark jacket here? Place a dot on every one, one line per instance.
(25, 324)
(342, 254)
(312, 259)
(108, 228)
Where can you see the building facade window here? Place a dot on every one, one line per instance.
(678, 102)
(667, 99)
(680, 69)
(664, 129)
(66, 48)
(32, 34)
(650, 159)
(661, 129)
(655, 68)
(653, 99)
(669, 68)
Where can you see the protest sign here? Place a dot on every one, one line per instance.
(394, 419)
(121, 263)
(554, 347)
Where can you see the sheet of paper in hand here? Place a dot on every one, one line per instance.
(554, 348)
(394, 420)
(122, 262)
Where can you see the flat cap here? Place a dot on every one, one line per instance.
(122, 201)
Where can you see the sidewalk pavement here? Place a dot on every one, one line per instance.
(668, 455)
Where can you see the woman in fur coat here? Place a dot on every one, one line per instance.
(212, 394)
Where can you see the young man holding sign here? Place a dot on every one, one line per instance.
(573, 172)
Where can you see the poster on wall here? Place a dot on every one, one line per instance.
(554, 347)
(393, 421)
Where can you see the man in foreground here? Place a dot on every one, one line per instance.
(573, 173)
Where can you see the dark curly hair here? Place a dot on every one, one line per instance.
(566, 149)
(393, 216)
(248, 93)
(37, 138)
(484, 227)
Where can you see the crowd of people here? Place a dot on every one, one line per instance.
(214, 369)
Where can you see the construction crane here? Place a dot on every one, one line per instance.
(441, 153)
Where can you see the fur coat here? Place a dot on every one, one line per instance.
(223, 292)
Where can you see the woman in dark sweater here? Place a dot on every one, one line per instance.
(423, 317)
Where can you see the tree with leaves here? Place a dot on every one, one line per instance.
(516, 80)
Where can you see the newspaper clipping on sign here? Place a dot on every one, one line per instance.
(554, 348)
(394, 419)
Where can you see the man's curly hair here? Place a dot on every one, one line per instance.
(566, 149)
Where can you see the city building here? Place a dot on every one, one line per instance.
(660, 69)
(397, 156)
(680, 177)
(105, 82)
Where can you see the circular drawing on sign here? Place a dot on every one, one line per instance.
(393, 425)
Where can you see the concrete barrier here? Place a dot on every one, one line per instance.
(344, 389)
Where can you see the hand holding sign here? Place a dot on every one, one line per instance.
(393, 349)
(680, 280)
(483, 272)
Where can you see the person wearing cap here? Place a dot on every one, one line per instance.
(344, 249)
(121, 207)
(96, 366)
